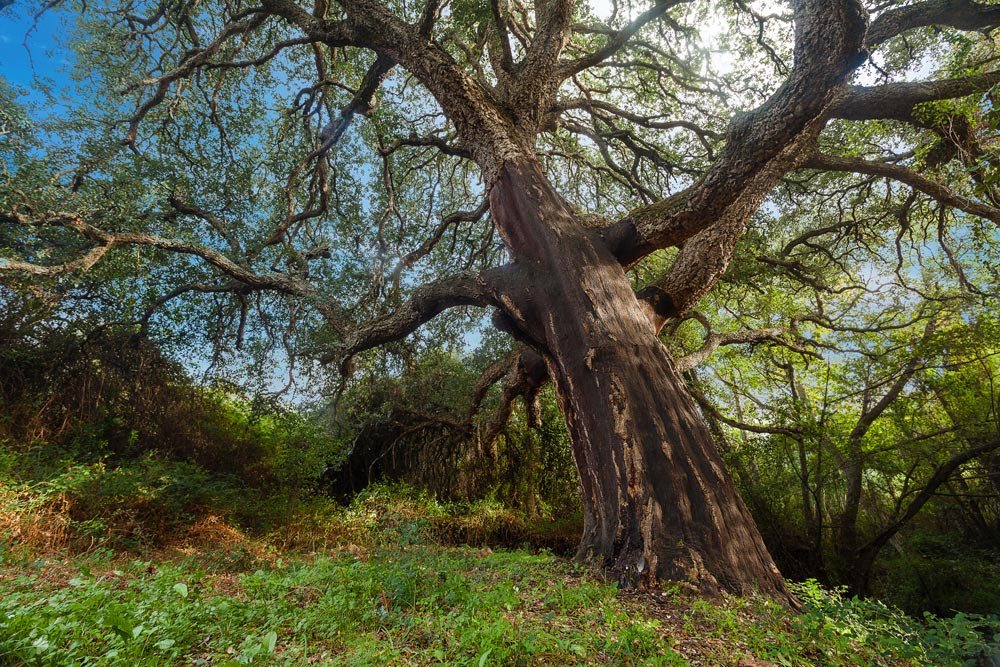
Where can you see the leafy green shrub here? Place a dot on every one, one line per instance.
(838, 624)
(80, 393)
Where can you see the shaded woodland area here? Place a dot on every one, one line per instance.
(688, 292)
(109, 415)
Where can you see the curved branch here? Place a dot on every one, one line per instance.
(523, 376)
(105, 241)
(940, 476)
(331, 133)
(960, 14)
(466, 102)
(707, 407)
(917, 181)
(427, 301)
(414, 256)
(181, 204)
(232, 287)
(504, 61)
(714, 341)
(441, 144)
(495, 372)
(617, 39)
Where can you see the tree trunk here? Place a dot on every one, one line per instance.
(658, 500)
(847, 522)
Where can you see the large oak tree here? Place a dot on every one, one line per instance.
(356, 157)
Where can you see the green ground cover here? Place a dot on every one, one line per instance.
(388, 594)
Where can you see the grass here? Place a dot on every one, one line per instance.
(373, 585)
(419, 605)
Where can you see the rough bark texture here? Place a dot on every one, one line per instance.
(658, 500)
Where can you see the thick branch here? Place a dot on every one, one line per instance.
(498, 370)
(895, 101)
(523, 374)
(465, 289)
(466, 102)
(961, 14)
(505, 64)
(482, 126)
(81, 263)
(550, 37)
(827, 48)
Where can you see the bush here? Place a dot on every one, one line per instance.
(143, 503)
(840, 623)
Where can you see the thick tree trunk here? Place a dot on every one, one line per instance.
(658, 500)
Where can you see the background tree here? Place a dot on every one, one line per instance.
(227, 149)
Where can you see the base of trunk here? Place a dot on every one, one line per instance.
(659, 503)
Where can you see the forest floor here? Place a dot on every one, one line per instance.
(383, 588)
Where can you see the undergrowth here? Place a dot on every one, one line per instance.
(376, 587)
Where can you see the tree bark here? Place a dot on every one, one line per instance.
(659, 503)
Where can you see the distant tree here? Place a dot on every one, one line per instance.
(226, 134)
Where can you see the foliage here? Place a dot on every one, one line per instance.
(940, 571)
(105, 438)
(843, 622)
(416, 426)
(394, 514)
(140, 504)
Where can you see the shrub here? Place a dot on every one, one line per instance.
(840, 623)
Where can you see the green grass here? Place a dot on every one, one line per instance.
(421, 605)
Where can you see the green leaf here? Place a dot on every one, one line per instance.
(181, 589)
(270, 639)
(121, 626)
(484, 656)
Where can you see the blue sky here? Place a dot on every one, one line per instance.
(24, 56)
